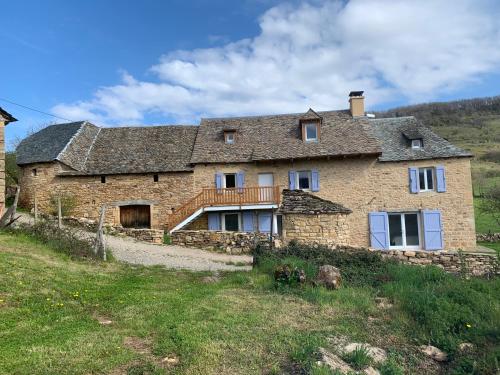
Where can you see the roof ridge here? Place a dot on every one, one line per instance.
(72, 137)
(180, 126)
(272, 115)
(391, 118)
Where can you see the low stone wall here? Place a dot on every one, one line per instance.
(229, 242)
(488, 237)
(475, 264)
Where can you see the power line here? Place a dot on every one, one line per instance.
(36, 110)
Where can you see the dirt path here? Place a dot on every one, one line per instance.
(129, 250)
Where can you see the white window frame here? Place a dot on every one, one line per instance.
(229, 138)
(223, 220)
(224, 180)
(307, 124)
(403, 230)
(426, 184)
(416, 143)
(297, 178)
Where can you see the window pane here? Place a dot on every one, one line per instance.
(303, 180)
(311, 131)
(411, 226)
(421, 178)
(231, 222)
(230, 180)
(395, 230)
(430, 182)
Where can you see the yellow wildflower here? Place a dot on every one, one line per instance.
(468, 325)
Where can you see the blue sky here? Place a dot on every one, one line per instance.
(150, 62)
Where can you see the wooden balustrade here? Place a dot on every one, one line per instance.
(225, 197)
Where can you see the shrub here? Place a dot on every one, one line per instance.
(358, 358)
(493, 156)
(68, 204)
(391, 367)
(63, 240)
(286, 274)
(167, 240)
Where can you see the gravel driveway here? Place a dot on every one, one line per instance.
(127, 249)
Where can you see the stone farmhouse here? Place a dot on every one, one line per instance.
(334, 177)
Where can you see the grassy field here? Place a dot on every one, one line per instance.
(484, 223)
(175, 322)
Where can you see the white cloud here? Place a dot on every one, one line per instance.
(312, 55)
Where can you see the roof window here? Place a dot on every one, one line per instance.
(229, 137)
(416, 143)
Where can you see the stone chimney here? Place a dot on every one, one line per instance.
(357, 103)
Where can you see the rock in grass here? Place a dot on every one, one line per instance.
(436, 354)
(334, 362)
(378, 355)
(383, 303)
(371, 371)
(329, 276)
(466, 347)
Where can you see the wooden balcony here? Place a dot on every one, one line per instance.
(225, 197)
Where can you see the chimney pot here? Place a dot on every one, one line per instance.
(357, 103)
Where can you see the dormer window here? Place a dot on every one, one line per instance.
(229, 137)
(416, 143)
(310, 130)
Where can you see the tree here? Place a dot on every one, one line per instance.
(490, 204)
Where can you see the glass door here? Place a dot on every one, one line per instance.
(404, 230)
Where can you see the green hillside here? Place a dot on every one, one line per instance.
(472, 124)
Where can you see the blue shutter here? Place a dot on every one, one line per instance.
(433, 231)
(248, 221)
(414, 187)
(240, 179)
(292, 177)
(213, 221)
(265, 222)
(440, 179)
(218, 180)
(379, 230)
(315, 180)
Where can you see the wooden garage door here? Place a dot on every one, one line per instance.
(136, 216)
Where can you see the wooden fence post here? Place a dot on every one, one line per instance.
(100, 248)
(59, 212)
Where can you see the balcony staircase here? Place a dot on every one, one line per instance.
(213, 197)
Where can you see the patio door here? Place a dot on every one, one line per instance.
(404, 230)
(266, 180)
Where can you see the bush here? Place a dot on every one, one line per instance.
(63, 240)
(286, 274)
(493, 156)
(68, 204)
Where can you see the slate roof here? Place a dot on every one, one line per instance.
(302, 202)
(390, 132)
(91, 150)
(276, 137)
(6, 116)
(47, 144)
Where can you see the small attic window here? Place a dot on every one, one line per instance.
(103, 179)
(229, 137)
(34, 172)
(416, 143)
(310, 130)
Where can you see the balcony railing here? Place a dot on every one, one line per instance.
(225, 197)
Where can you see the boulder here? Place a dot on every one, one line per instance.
(329, 276)
(466, 347)
(436, 354)
(334, 362)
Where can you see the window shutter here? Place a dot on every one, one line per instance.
(218, 180)
(433, 230)
(248, 221)
(413, 173)
(240, 179)
(315, 180)
(265, 222)
(379, 230)
(292, 177)
(213, 221)
(440, 179)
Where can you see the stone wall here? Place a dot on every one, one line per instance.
(475, 264)
(488, 237)
(326, 229)
(172, 190)
(229, 242)
(364, 185)
(2, 165)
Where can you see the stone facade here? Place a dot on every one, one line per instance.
(474, 264)
(326, 229)
(365, 184)
(90, 194)
(2, 165)
(229, 242)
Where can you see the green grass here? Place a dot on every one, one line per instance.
(484, 223)
(243, 324)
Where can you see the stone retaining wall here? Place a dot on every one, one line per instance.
(488, 237)
(230, 242)
(475, 264)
